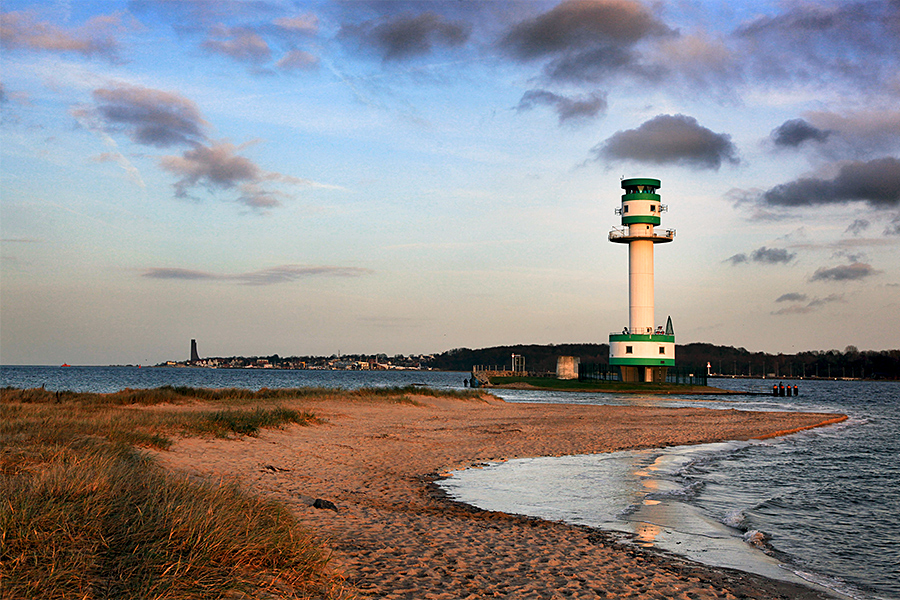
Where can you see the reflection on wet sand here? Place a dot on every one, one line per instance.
(646, 533)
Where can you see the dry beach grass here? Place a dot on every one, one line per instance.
(393, 534)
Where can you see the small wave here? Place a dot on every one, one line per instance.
(758, 539)
(735, 519)
(687, 492)
(835, 584)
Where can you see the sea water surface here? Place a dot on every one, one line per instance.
(821, 505)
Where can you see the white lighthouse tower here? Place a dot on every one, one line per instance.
(643, 351)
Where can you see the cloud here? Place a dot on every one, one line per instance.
(407, 35)
(20, 30)
(585, 40)
(581, 24)
(796, 131)
(270, 276)
(826, 300)
(851, 272)
(124, 163)
(567, 109)
(670, 139)
(297, 59)
(791, 297)
(302, 24)
(857, 226)
(769, 256)
(812, 306)
(191, 16)
(893, 228)
(217, 166)
(701, 61)
(855, 42)
(176, 273)
(239, 43)
(151, 117)
(864, 131)
(163, 119)
(876, 182)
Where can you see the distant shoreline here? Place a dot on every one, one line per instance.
(688, 390)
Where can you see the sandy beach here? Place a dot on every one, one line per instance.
(394, 534)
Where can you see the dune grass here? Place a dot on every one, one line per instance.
(85, 513)
(104, 521)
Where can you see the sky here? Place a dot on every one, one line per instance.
(318, 178)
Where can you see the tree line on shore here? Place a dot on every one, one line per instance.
(722, 360)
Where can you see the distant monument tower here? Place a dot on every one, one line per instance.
(194, 356)
(643, 351)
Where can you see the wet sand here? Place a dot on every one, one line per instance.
(394, 534)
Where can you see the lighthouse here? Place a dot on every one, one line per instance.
(643, 351)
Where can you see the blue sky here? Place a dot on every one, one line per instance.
(410, 177)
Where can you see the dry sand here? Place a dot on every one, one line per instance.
(394, 534)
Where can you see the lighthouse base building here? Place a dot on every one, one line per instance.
(643, 351)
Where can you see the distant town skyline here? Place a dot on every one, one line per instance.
(304, 178)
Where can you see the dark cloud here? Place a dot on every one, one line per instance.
(213, 166)
(270, 276)
(581, 25)
(586, 40)
(796, 131)
(857, 226)
(851, 272)
(769, 256)
(238, 43)
(850, 41)
(791, 297)
(151, 117)
(876, 182)
(600, 64)
(670, 139)
(20, 30)
(408, 35)
(586, 107)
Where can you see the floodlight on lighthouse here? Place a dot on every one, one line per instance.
(642, 351)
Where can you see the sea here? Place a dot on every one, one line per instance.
(820, 507)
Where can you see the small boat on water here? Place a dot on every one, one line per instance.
(66, 365)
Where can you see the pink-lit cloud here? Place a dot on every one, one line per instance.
(97, 37)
